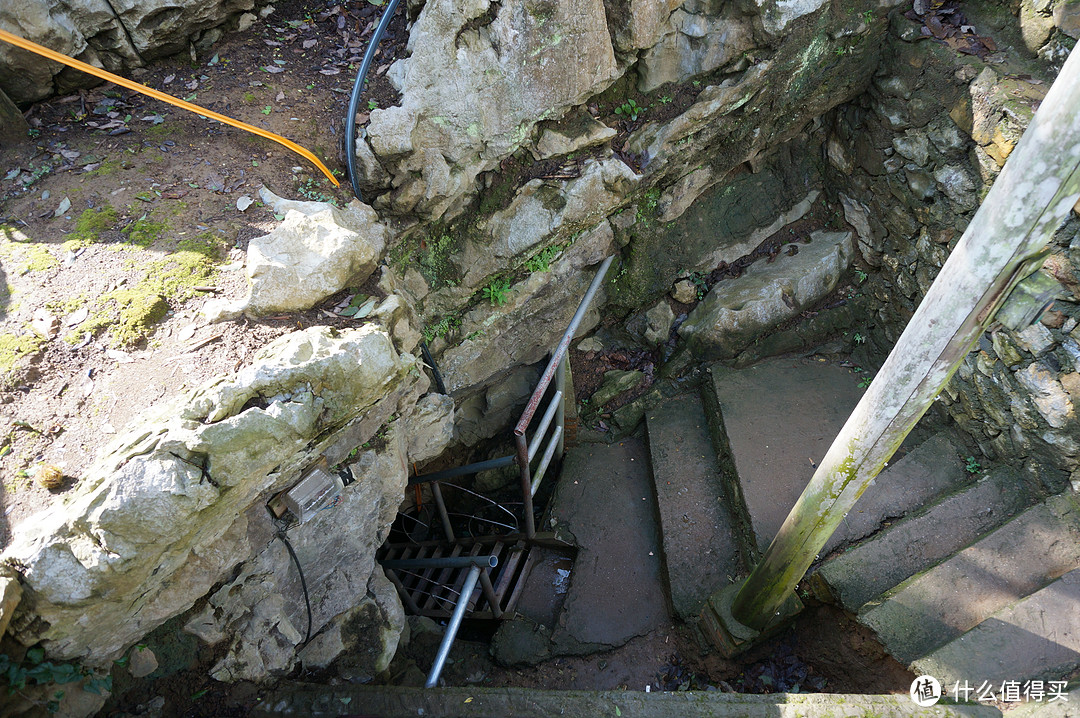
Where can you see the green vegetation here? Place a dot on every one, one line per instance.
(89, 226)
(701, 287)
(372, 105)
(496, 291)
(646, 207)
(431, 257)
(541, 261)
(859, 338)
(972, 466)
(312, 189)
(665, 100)
(865, 382)
(860, 276)
(630, 110)
(144, 231)
(267, 110)
(13, 348)
(441, 328)
(35, 670)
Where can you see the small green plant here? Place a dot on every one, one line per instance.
(35, 670)
(646, 207)
(865, 382)
(868, 16)
(859, 338)
(665, 100)
(972, 466)
(630, 110)
(700, 286)
(312, 189)
(541, 262)
(441, 328)
(496, 291)
(860, 276)
(372, 105)
(841, 51)
(267, 110)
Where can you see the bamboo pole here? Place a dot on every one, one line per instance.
(1032, 195)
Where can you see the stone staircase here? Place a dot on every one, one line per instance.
(960, 575)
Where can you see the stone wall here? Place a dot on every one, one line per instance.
(910, 162)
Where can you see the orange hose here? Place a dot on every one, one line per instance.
(158, 95)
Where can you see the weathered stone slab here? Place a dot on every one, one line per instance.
(736, 311)
(1037, 637)
(700, 553)
(781, 416)
(1017, 559)
(920, 541)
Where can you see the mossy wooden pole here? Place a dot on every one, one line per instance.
(1033, 194)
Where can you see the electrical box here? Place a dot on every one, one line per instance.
(317, 489)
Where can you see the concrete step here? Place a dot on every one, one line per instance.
(300, 699)
(603, 506)
(931, 469)
(699, 549)
(780, 417)
(1037, 637)
(921, 539)
(938, 605)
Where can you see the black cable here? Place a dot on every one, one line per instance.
(430, 361)
(354, 99)
(303, 584)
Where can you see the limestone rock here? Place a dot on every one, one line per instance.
(1049, 397)
(590, 344)
(678, 197)
(616, 382)
(570, 136)
(486, 413)
(541, 214)
(168, 507)
(738, 310)
(696, 43)
(641, 24)
(658, 321)
(914, 146)
(684, 292)
(778, 14)
(1067, 18)
(10, 595)
(958, 185)
(497, 337)
(141, 662)
(532, 63)
(430, 427)
(118, 35)
(315, 252)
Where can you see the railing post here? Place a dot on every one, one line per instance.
(560, 415)
(526, 485)
(1033, 194)
(448, 530)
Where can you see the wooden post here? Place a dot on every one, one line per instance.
(1033, 194)
(13, 127)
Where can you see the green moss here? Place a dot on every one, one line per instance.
(108, 167)
(13, 348)
(145, 231)
(28, 256)
(89, 226)
(430, 255)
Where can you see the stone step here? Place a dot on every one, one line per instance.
(931, 469)
(938, 605)
(699, 548)
(780, 417)
(921, 539)
(305, 699)
(1037, 637)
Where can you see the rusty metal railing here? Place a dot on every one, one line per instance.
(551, 439)
(556, 369)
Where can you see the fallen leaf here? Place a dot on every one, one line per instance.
(168, 79)
(193, 85)
(280, 97)
(88, 387)
(71, 154)
(243, 202)
(364, 309)
(44, 323)
(272, 69)
(334, 71)
(117, 355)
(308, 44)
(186, 333)
(12, 174)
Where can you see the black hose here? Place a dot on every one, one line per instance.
(303, 584)
(430, 361)
(354, 99)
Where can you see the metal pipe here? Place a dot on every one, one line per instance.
(462, 470)
(354, 98)
(546, 459)
(560, 416)
(545, 422)
(446, 562)
(453, 626)
(526, 486)
(448, 530)
(489, 594)
(549, 372)
(405, 595)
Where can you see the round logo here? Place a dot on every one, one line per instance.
(925, 691)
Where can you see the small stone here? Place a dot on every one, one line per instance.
(1035, 339)
(590, 344)
(1053, 319)
(684, 292)
(616, 382)
(658, 323)
(914, 146)
(10, 595)
(245, 22)
(142, 662)
(49, 476)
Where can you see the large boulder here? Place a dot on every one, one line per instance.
(117, 35)
(479, 78)
(178, 499)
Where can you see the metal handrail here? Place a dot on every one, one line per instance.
(555, 365)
